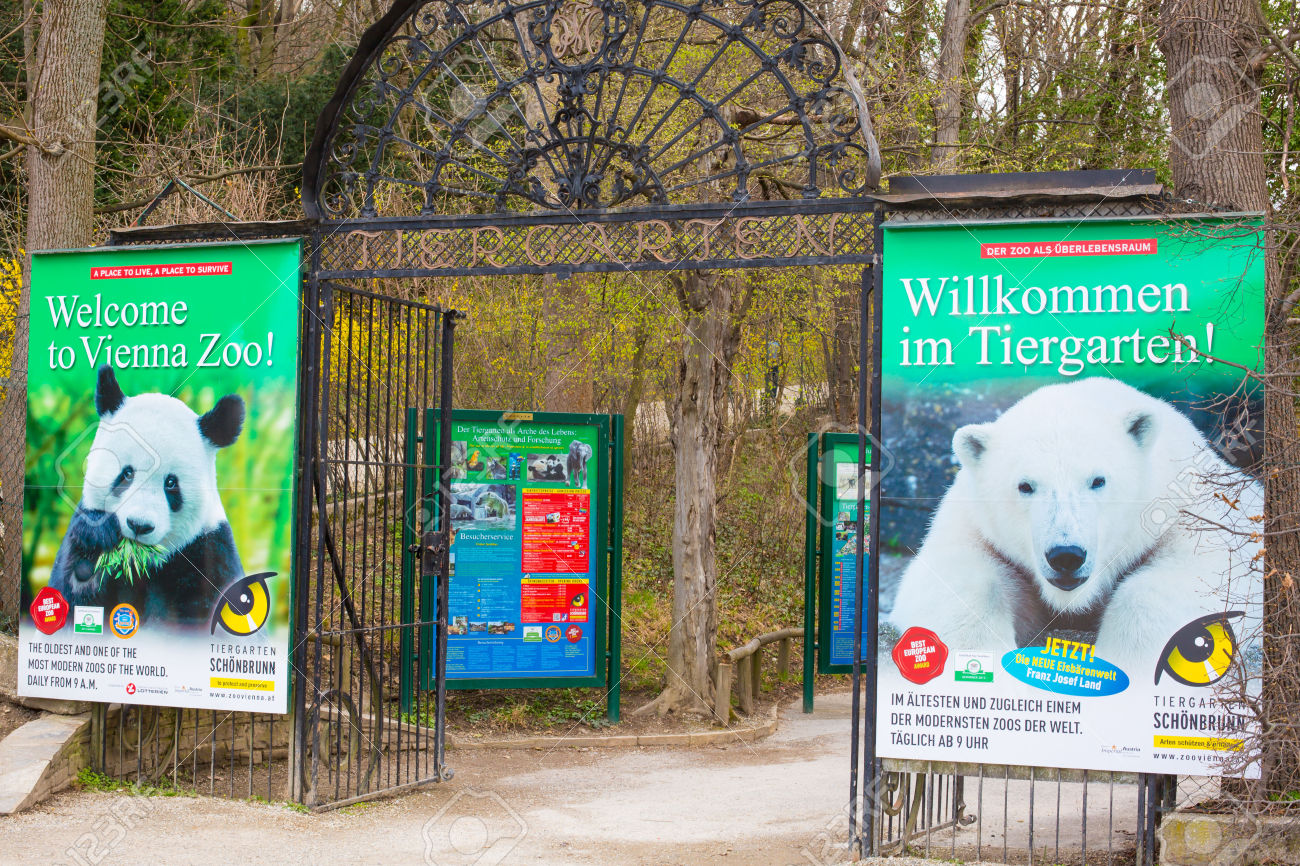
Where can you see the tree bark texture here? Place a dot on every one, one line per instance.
(1214, 58)
(63, 92)
(711, 322)
(948, 102)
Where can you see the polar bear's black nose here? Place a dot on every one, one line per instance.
(1066, 559)
(139, 527)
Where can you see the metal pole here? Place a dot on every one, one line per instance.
(407, 676)
(873, 600)
(858, 608)
(812, 524)
(449, 318)
(614, 603)
(308, 369)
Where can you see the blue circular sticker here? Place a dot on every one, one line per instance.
(123, 621)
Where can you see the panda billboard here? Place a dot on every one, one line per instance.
(159, 498)
(1069, 539)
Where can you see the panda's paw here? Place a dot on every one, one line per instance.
(84, 582)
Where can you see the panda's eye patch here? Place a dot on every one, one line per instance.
(123, 480)
(172, 490)
(1026, 488)
(1098, 483)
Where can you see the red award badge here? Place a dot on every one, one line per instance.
(49, 610)
(920, 655)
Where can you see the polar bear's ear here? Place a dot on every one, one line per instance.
(970, 443)
(1139, 425)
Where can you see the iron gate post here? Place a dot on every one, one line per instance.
(308, 394)
(855, 837)
(449, 318)
(614, 593)
(873, 596)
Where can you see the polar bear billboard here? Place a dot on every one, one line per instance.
(1069, 531)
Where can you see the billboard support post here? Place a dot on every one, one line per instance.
(614, 675)
(812, 524)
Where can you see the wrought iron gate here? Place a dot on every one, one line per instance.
(377, 354)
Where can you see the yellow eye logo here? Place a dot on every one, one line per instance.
(244, 606)
(1200, 652)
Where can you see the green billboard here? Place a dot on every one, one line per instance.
(1069, 531)
(158, 509)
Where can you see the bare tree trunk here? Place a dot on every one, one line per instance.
(63, 89)
(569, 383)
(948, 103)
(712, 318)
(63, 101)
(842, 376)
(1214, 58)
(285, 16)
(635, 391)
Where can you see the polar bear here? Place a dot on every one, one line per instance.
(1088, 506)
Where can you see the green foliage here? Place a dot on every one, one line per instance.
(129, 561)
(284, 107)
(157, 55)
(88, 780)
(293, 806)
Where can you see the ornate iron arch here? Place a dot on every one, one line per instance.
(482, 106)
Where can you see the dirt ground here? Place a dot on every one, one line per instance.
(778, 801)
(14, 716)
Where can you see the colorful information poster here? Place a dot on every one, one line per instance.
(528, 558)
(1070, 529)
(839, 550)
(159, 500)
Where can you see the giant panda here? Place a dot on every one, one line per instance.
(151, 476)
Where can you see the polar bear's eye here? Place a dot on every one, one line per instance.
(1026, 488)
(1098, 483)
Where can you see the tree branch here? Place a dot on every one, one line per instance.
(194, 180)
(10, 133)
(1281, 44)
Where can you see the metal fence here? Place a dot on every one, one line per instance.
(1007, 814)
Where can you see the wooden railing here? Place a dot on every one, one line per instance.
(748, 658)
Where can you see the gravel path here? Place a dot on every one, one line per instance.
(779, 801)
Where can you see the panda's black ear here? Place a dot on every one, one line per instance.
(221, 425)
(108, 394)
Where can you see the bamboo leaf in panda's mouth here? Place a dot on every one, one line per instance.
(129, 561)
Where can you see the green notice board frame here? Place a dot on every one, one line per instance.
(826, 453)
(605, 589)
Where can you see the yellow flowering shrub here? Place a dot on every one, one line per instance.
(11, 284)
